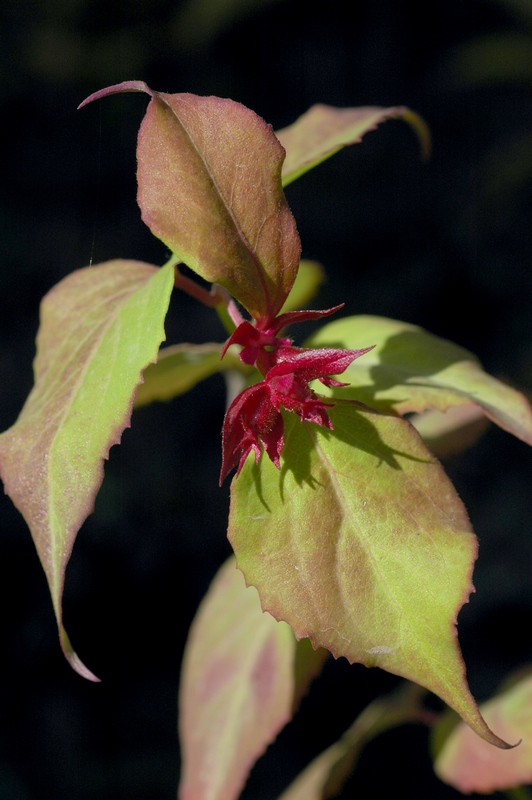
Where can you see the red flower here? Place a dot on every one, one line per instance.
(254, 417)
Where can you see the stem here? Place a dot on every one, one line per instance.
(218, 297)
(209, 298)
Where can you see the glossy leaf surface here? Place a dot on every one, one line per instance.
(237, 688)
(180, 367)
(411, 370)
(470, 765)
(324, 130)
(333, 540)
(99, 328)
(209, 186)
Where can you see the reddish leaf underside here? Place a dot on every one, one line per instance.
(209, 186)
(470, 765)
(324, 130)
(100, 327)
(361, 543)
(237, 688)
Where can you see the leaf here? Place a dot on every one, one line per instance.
(411, 370)
(361, 544)
(100, 327)
(470, 765)
(237, 688)
(324, 130)
(209, 186)
(180, 367)
(326, 774)
(309, 278)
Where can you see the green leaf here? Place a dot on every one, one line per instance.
(309, 278)
(470, 765)
(326, 774)
(411, 370)
(237, 688)
(324, 130)
(180, 367)
(209, 186)
(100, 327)
(361, 544)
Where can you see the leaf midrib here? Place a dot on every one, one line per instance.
(228, 209)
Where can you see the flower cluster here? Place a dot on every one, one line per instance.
(254, 418)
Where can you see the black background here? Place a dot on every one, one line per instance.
(446, 245)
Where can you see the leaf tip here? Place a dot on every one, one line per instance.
(73, 659)
(125, 86)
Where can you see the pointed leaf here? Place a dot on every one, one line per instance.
(209, 178)
(180, 367)
(470, 765)
(100, 327)
(326, 774)
(361, 543)
(411, 370)
(237, 688)
(324, 130)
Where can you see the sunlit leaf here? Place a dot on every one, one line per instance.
(237, 688)
(209, 186)
(361, 544)
(309, 278)
(325, 776)
(180, 367)
(324, 130)
(411, 370)
(471, 765)
(99, 329)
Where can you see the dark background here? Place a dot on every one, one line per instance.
(446, 245)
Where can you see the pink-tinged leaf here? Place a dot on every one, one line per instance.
(470, 765)
(361, 544)
(410, 370)
(99, 329)
(237, 688)
(324, 130)
(209, 186)
(325, 776)
(180, 367)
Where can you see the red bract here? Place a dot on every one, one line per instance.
(254, 418)
(254, 338)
